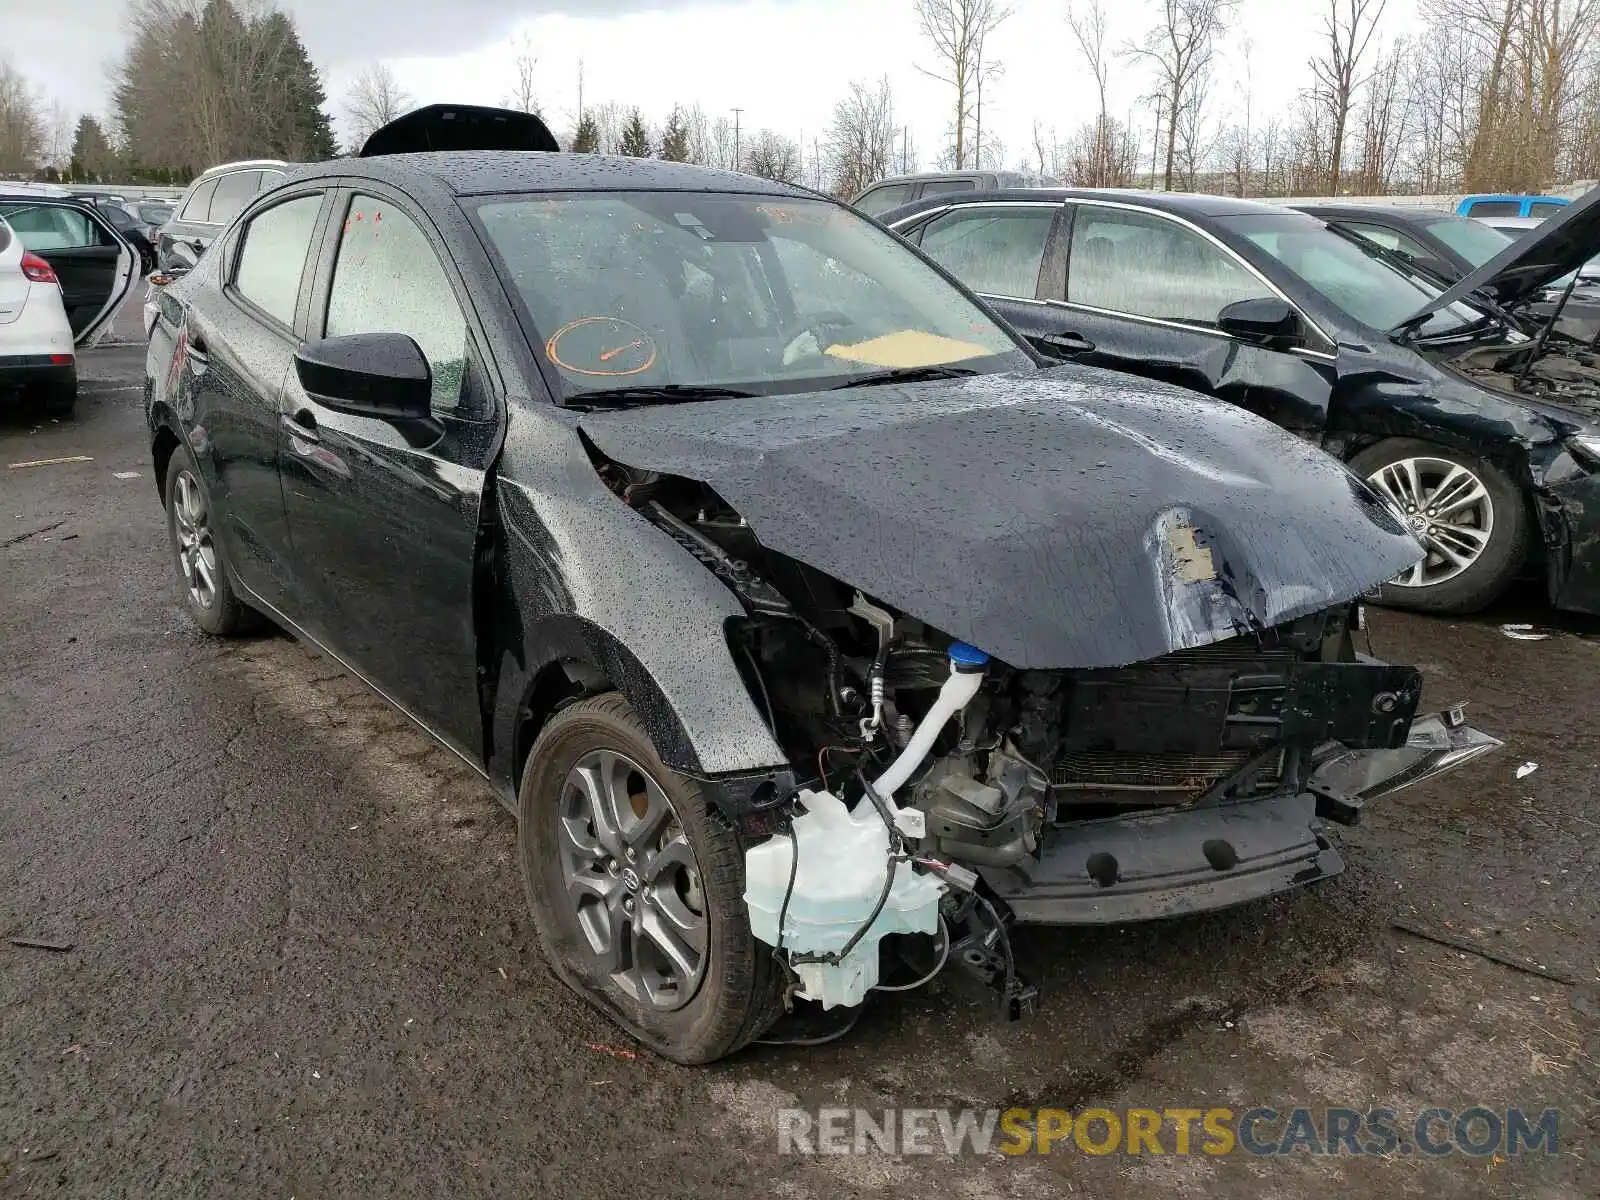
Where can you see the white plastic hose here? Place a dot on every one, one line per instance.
(955, 695)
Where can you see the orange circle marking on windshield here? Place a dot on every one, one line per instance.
(550, 348)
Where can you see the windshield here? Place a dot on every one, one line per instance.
(708, 290)
(1473, 240)
(1350, 273)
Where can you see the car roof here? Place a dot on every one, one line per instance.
(502, 172)
(1518, 196)
(1190, 204)
(38, 191)
(244, 164)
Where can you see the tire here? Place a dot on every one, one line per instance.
(1409, 469)
(216, 608)
(737, 994)
(60, 399)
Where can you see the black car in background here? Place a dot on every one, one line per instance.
(898, 190)
(134, 228)
(690, 508)
(1484, 438)
(1452, 247)
(208, 204)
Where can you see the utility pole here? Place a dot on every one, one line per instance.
(1155, 151)
(736, 113)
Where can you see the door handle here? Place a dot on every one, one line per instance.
(302, 426)
(1067, 343)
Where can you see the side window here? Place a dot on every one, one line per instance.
(1148, 266)
(198, 206)
(270, 179)
(233, 193)
(1543, 208)
(387, 279)
(1391, 239)
(1495, 208)
(995, 251)
(272, 255)
(42, 227)
(935, 186)
(882, 199)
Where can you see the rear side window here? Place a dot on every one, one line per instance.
(388, 280)
(1495, 208)
(198, 206)
(881, 200)
(995, 251)
(272, 255)
(233, 193)
(269, 179)
(41, 227)
(5, 236)
(935, 186)
(1148, 266)
(1543, 208)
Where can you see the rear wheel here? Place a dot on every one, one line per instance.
(60, 399)
(636, 890)
(1467, 513)
(208, 591)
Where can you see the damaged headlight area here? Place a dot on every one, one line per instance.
(944, 796)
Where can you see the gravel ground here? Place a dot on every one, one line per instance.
(300, 965)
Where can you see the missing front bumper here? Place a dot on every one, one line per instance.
(1173, 863)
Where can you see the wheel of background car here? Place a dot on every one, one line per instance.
(208, 592)
(60, 399)
(1467, 513)
(636, 894)
(603, 346)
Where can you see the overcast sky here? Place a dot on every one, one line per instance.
(784, 62)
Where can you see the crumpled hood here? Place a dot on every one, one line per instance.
(1062, 519)
(1557, 246)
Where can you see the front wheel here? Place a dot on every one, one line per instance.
(1469, 516)
(636, 890)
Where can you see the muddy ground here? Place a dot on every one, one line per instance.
(300, 965)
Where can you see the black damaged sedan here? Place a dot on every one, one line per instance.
(809, 622)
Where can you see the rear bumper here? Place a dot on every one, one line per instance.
(24, 370)
(1177, 862)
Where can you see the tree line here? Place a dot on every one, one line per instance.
(1495, 95)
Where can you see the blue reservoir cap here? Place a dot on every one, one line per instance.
(967, 658)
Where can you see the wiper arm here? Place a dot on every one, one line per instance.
(665, 393)
(906, 375)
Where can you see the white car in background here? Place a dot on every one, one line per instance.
(64, 272)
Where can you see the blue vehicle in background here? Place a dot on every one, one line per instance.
(1511, 206)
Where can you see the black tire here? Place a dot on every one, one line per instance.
(1500, 560)
(739, 995)
(226, 615)
(60, 399)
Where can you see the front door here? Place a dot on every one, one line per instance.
(236, 350)
(1145, 290)
(384, 521)
(95, 265)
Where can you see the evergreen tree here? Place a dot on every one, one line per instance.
(93, 156)
(675, 137)
(587, 138)
(291, 92)
(635, 140)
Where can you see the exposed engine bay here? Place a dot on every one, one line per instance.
(1559, 370)
(943, 792)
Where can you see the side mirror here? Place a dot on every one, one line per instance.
(1266, 322)
(382, 375)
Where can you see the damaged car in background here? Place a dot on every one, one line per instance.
(808, 621)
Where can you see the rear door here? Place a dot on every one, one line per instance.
(237, 352)
(14, 284)
(384, 521)
(185, 237)
(1002, 251)
(1145, 289)
(95, 264)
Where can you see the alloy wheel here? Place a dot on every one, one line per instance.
(1448, 509)
(631, 877)
(197, 552)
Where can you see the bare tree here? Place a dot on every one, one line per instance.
(1386, 120)
(773, 156)
(22, 126)
(860, 145)
(724, 146)
(373, 100)
(1180, 47)
(1098, 158)
(957, 29)
(524, 92)
(1348, 27)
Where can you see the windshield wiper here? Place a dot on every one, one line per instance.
(906, 375)
(665, 393)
